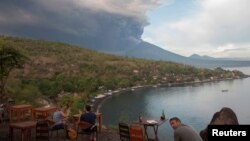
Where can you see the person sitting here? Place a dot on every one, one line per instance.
(89, 117)
(226, 116)
(59, 120)
(183, 132)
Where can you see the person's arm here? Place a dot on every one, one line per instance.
(95, 118)
(79, 120)
(63, 114)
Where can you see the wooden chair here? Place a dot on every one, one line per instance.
(42, 130)
(124, 131)
(4, 113)
(136, 133)
(1, 116)
(53, 128)
(83, 127)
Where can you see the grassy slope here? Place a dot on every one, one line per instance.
(58, 67)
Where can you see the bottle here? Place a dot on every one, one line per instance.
(140, 118)
(162, 115)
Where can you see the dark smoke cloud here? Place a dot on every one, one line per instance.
(68, 22)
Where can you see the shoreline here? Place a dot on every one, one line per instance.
(97, 103)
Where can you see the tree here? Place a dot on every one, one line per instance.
(10, 59)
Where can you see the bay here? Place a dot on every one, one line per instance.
(193, 104)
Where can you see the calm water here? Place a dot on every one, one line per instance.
(195, 104)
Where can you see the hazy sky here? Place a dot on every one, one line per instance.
(219, 28)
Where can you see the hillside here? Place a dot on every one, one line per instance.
(57, 68)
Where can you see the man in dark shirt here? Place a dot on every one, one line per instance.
(183, 132)
(89, 117)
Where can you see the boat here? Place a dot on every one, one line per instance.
(225, 90)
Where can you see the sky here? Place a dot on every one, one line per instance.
(218, 28)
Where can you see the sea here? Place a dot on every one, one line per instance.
(194, 104)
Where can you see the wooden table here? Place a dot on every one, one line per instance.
(44, 111)
(20, 110)
(98, 115)
(25, 129)
(153, 124)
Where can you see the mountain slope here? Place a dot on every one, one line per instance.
(205, 57)
(56, 69)
(210, 62)
(149, 51)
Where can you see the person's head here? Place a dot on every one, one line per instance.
(175, 122)
(88, 108)
(60, 108)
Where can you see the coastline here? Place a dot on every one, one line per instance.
(96, 103)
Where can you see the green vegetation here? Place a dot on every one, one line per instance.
(55, 69)
(10, 59)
